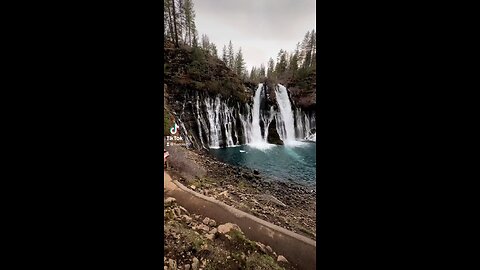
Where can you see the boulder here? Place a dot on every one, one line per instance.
(225, 228)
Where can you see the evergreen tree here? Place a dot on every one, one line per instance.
(293, 65)
(313, 45)
(175, 19)
(281, 66)
(169, 15)
(239, 63)
(195, 39)
(306, 50)
(213, 50)
(189, 20)
(261, 71)
(253, 74)
(270, 71)
(205, 43)
(231, 56)
(224, 55)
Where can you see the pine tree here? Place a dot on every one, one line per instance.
(253, 74)
(261, 71)
(213, 50)
(239, 63)
(231, 56)
(168, 7)
(195, 38)
(313, 45)
(281, 66)
(271, 66)
(293, 65)
(307, 49)
(189, 20)
(205, 43)
(224, 55)
(175, 19)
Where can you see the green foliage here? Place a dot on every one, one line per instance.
(262, 262)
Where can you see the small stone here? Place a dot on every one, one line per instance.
(203, 227)
(183, 209)
(169, 201)
(256, 172)
(269, 249)
(281, 259)
(172, 264)
(187, 267)
(225, 228)
(192, 187)
(178, 212)
(261, 246)
(212, 223)
(206, 220)
(213, 231)
(211, 236)
(195, 263)
(187, 218)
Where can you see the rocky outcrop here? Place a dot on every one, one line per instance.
(273, 136)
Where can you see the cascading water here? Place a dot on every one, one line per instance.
(256, 129)
(286, 113)
(217, 123)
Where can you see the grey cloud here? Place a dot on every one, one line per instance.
(261, 28)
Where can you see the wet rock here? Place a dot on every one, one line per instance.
(225, 228)
(281, 259)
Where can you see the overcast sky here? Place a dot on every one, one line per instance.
(260, 27)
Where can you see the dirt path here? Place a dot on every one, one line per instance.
(299, 250)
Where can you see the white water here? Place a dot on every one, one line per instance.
(258, 141)
(286, 113)
(215, 117)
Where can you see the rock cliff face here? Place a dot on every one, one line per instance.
(214, 107)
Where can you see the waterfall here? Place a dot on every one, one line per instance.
(286, 113)
(256, 130)
(214, 122)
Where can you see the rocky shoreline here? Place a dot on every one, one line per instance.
(286, 204)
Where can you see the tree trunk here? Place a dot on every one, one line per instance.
(175, 23)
